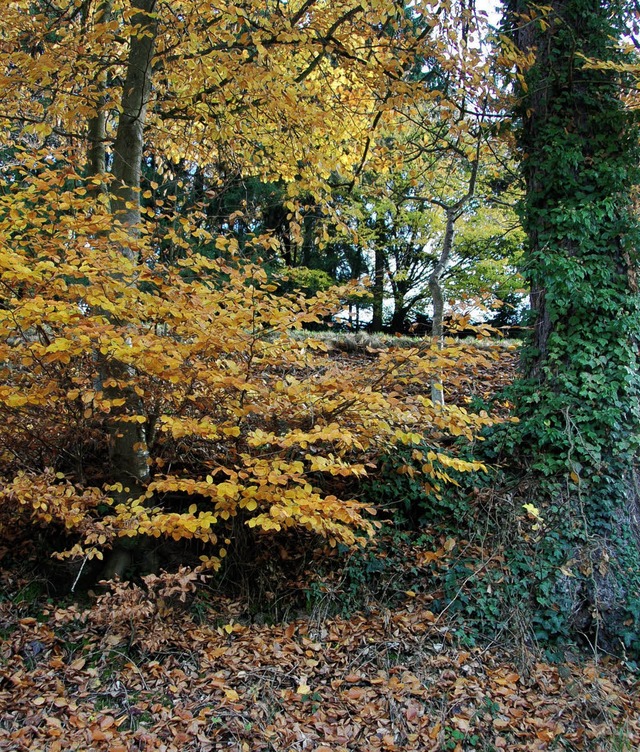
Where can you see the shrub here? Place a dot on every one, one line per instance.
(235, 416)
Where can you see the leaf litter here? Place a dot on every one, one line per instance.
(388, 680)
(139, 671)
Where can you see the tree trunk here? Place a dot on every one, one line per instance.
(453, 212)
(127, 441)
(378, 289)
(398, 323)
(437, 295)
(578, 399)
(129, 144)
(97, 130)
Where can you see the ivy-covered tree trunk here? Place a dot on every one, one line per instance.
(578, 398)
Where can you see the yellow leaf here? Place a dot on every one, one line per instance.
(15, 400)
(532, 510)
(227, 489)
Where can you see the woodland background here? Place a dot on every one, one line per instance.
(229, 516)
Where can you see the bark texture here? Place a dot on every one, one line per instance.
(128, 448)
(128, 441)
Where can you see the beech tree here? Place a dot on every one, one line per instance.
(125, 380)
(578, 398)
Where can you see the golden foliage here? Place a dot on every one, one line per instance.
(100, 340)
(241, 416)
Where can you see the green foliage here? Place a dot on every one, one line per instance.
(488, 246)
(579, 403)
(400, 490)
(309, 281)
(380, 574)
(454, 738)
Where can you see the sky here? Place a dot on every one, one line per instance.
(493, 9)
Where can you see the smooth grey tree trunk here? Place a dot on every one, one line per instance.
(128, 447)
(437, 295)
(453, 212)
(128, 441)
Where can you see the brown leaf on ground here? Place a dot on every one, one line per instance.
(337, 684)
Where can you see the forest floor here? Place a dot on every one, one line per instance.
(130, 669)
(107, 678)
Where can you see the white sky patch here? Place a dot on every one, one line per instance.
(492, 8)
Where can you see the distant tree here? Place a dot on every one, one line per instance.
(428, 239)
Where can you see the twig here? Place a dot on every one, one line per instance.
(75, 582)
